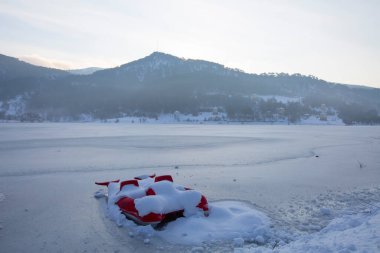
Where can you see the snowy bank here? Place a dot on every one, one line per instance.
(350, 233)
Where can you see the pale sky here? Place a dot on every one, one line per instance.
(335, 40)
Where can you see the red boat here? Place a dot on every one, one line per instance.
(151, 199)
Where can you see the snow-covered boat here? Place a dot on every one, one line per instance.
(151, 199)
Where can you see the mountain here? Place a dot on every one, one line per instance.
(84, 71)
(155, 67)
(163, 83)
(12, 68)
(164, 70)
(18, 77)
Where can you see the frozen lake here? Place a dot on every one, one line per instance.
(291, 173)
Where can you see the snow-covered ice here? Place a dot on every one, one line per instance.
(349, 233)
(310, 188)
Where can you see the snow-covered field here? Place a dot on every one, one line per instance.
(271, 188)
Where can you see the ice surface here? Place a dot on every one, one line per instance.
(292, 174)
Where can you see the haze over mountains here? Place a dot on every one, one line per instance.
(161, 83)
(84, 71)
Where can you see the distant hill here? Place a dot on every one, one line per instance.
(18, 77)
(12, 68)
(84, 71)
(163, 83)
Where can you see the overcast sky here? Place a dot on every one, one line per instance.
(336, 40)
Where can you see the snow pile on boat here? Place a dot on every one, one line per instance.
(228, 221)
(168, 199)
(154, 200)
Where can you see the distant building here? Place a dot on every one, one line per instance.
(177, 115)
(215, 111)
(281, 110)
(324, 108)
(323, 117)
(323, 114)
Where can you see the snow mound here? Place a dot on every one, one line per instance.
(350, 233)
(228, 220)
